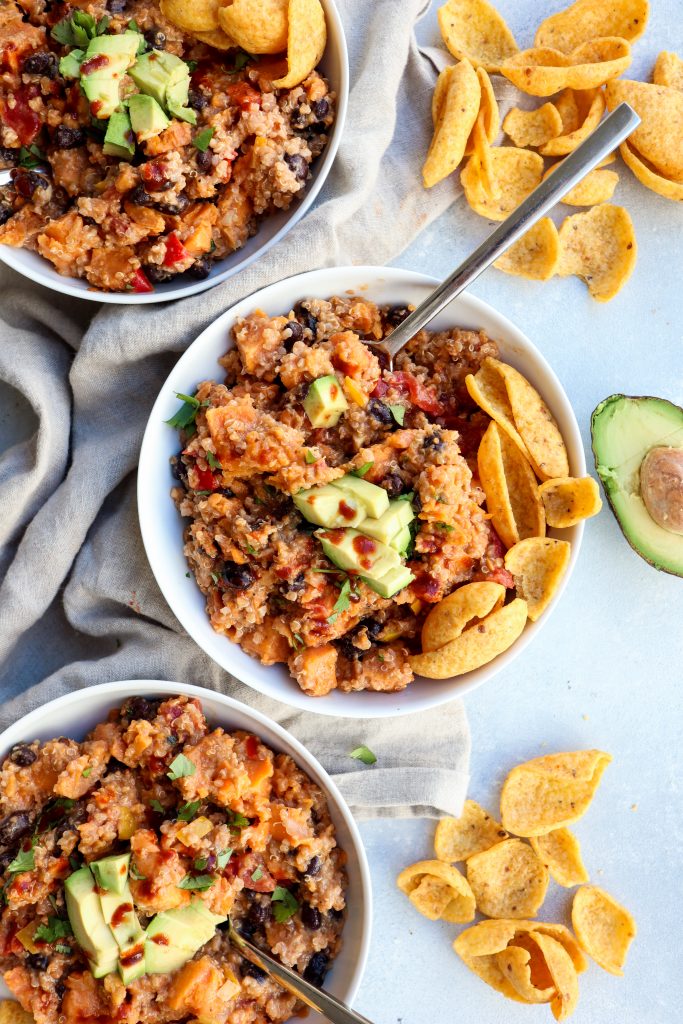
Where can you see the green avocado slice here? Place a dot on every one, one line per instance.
(111, 873)
(87, 921)
(624, 430)
(174, 936)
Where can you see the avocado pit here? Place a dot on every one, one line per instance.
(661, 487)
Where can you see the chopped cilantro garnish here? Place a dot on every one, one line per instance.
(103, 25)
(298, 640)
(362, 470)
(342, 602)
(398, 412)
(198, 882)
(79, 29)
(203, 494)
(135, 873)
(251, 549)
(74, 863)
(241, 60)
(215, 577)
(363, 754)
(406, 497)
(31, 156)
(444, 526)
(310, 457)
(87, 772)
(223, 857)
(156, 806)
(200, 863)
(55, 928)
(188, 810)
(238, 820)
(202, 139)
(186, 414)
(61, 948)
(257, 874)
(213, 461)
(285, 904)
(181, 768)
(24, 861)
(192, 65)
(133, 25)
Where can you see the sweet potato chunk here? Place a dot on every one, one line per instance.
(314, 669)
(249, 441)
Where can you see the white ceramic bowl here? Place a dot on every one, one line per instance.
(162, 526)
(77, 713)
(335, 66)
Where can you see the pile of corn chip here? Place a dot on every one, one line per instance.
(507, 879)
(577, 58)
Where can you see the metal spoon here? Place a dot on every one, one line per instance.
(606, 137)
(335, 1011)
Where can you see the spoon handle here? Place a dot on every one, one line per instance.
(606, 137)
(326, 1004)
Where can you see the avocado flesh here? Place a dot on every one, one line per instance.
(372, 498)
(111, 873)
(352, 551)
(398, 515)
(89, 926)
(146, 117)
(174, 936)
(325, 402)
(624, 429)
(104, 64)
(166, 79)
(70, 64)
(176, 100)
(391, 582)
(118, 139)
(330, 507)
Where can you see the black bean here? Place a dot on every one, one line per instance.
(38, 961)
(204, 160)
(434, 442)
(14, 827)
(196, 99)
(307, 319)
(317, 968)
(68, 138)
(26, 182)
(296, 331)
(237, 577)
(6, 212)
(379, 411)
(41, 63)
(200, 269)
(157, 274)
(320, 109)
(396, 315)
(140, 707)
(226, 492)
(116, 6)
(372, 627)
(259, 913)
(60, 989)
(317, 128)
(155, 37)
(139, 196)
(298, 583)
(180, 204)
(297, 119)
(313, 867)
(178, 467)
(348, 649)
(8, 156)
(250, 970)
(23, 755)
(297, 166)
(311, 917)
(246, 929)
(336, 915)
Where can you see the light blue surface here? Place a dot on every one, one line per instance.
(606, 669)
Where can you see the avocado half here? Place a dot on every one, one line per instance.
(624, 429)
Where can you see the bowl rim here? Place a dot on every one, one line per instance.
(49, 278)
(348, 278)
(19, 730)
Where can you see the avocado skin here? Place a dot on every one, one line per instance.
(663, 564)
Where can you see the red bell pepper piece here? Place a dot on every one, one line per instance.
(175, 250)
(141, 282)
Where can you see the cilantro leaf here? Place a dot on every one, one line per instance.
(186, 414)
(196, 882)
(241, 60)
(133, 26)
(87, 772)
(188, 810)
(363, 754)
(202, 139)
(444, 526)
(135, 873)
(103, 25)
(285, 904)
(343, 601)
(55, 928)
(362, 470)
(61, 948)
(406, 497)
(238, 820)
(213, 461)
(31, 156)
(156, 807)
(25, 860)
(181, 768)
(223, 857)
(398, 412)
(257, 874)
(310, 457)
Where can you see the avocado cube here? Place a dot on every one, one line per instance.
(156, 71)
(174, 936)
(119, 913)
(111, 873)
(401, 541)
(398, 515)
(372, 498)
(70, 64)
(87, 921)
(391, 582)
(119, 140)
(132, 962)
(176, 100)
(352, 551)
(328, 506)
(103, 94)
(124, 45)
(325, 402)
(146, 117)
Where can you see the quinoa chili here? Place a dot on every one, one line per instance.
(248, 446)
(205, 815)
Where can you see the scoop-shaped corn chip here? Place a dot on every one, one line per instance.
(568, 500)
(590, 19)
(12, 1013)
(455, 107)
(537, 565)
(563, 144)
(475, 646)
(508, 880)
(522, 963)
(533, 127)
(648, 176)
(438, 891)
(488, 390)
(599, 246)
(488, 111)
(560, 852)
(482, 162)
(258, 26)
(597, 187)
(535, 255)
(474, 30)
(659, 136)
(515, 172)
(216, 38)
(488, 969)
(306, 41)
(191, 15)
(449, 617)
(604, 929)
(544, 71)
(551, 792)
(668, 70)
(474, 831)
(510, 487)
(488, 938)
(568, 109)
(563, 973)
(535, 424)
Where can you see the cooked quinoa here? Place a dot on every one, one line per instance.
(267, 583)
(247, 820)
(174, 208)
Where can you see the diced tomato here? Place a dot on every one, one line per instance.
(252, 746)
(250, 865)
(175, 250)
(141, 282)
(380, 389)
(242, 95)
(420, 395)
(20, 118)
(206, 480)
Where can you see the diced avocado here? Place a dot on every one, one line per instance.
(163, 959)
(119, 913)
(87, 921)
(176, 100)
(393, 580)
(156, 71)
(111, 873)
(132, 961)
(104, 64)
(352, 551)
(103, 94)
(638, 448)
(70, 64)
(146, 116)
(125, 45)
(174, 936)
(119, 139)
(401, 541)
(372, 498)
(328, 506)
(325, 402)
(397, 515)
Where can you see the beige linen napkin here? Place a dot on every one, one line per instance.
(78, 603)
